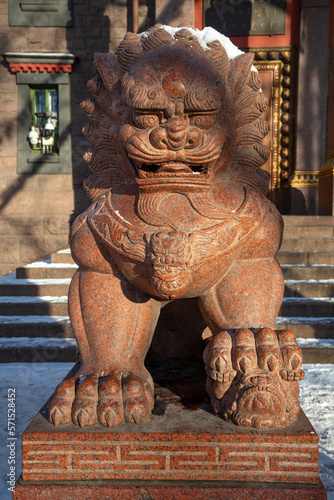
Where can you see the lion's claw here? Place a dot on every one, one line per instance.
(109, 400)
(58, 417)
(262, 388)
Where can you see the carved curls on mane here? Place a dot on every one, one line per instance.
(106, 110)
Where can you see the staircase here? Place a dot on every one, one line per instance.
(34, 323)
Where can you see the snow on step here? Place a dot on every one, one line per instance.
(310, 281)
(62, 299)
(306, 265)
(39, 281)
(69, 342)
(33, 319)
(315, 343)
(50, 265)
(37, 342)
(297, 320)
(308, 299)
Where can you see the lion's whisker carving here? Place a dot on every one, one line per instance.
(180, 211)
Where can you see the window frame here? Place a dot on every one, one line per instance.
(29, 162)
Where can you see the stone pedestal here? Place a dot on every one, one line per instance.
(182, 450)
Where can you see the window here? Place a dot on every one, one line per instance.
(44, 132)
(44, 137)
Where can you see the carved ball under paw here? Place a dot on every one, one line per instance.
(109, 399)
(263, 392)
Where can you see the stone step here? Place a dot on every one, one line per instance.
(301, 271)
(61, 271)
(36, 326)
(62, 257)
(27, 306)
(308, 232)
(309, 288)
(58, 306)
(60, 327)
(10, 286)
(308, 307)
(308, 220)
(308, 244)
(28, 350)
(25, 349)
(317, 350)
(44, 270)
(306, 258)
(307, 327)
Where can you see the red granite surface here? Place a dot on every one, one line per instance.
(143, 490)
(175, 444)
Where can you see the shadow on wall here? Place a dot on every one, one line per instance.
(14, 224)
(99, 26)
(171, 12)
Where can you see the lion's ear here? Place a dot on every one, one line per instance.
(239, 72)
(108, 68)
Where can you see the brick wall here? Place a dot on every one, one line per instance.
(36, 210)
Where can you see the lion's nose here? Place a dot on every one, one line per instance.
(175, 134)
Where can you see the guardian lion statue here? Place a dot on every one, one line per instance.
(179, 211)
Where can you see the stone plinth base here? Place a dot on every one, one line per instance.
(164, 490)
(182, 450)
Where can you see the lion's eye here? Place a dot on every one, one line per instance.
(145, 121)
(203, 121)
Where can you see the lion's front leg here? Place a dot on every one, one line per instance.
(114, 324)
(252, 371)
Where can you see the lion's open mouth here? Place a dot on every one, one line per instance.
(171, 169)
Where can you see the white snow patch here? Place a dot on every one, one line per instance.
(308, 299)
(308, 320)
(66, 250)
(50, 265)
(206, 36)
(318, 343)
(30, 281)
(39, 263)
(46, 342)
(35, 382)
(5, 320)
(306, 265)
(297, 282)
(62, 299)
(41, 54)
(8, 278)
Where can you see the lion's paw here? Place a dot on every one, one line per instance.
(253, 377)
(108, 399)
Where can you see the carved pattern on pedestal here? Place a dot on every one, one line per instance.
(158, 459)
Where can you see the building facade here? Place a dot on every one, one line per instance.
(47, 50)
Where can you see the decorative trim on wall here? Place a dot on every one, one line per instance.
(302, 178)
(39, 62)
(327, 169)
(40, 68)
(286, 96)
(273, 69)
